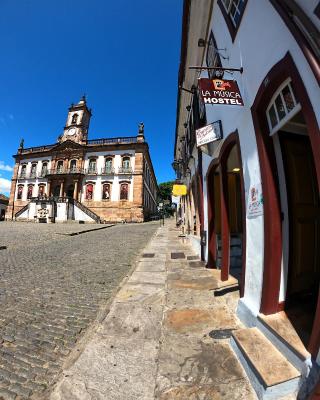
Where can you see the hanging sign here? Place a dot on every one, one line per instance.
(255, 201)
(209, 133)
(179, 190)
(220, 91)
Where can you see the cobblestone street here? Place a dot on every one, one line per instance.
(51, 289)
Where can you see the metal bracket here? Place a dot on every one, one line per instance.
(218, 69)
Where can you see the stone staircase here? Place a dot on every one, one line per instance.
(273, 356)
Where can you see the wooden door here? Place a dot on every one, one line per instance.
(303, 212)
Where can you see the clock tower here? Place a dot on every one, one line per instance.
(77, 125)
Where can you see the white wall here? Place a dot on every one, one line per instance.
(257, 48)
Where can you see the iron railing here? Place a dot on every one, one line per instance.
(125, 170)
(107, 171)
(64, 171)
(118, 140)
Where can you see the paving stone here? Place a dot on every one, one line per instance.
(51, 289)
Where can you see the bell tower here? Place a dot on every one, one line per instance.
(77, 124)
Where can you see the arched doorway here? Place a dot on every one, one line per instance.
(70, 191)
(288, 144)
(227, 239)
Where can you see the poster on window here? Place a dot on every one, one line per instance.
(255, 201)
(220, 91)
(209, 133)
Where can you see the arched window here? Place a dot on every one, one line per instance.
(89, 191)
(60, 167)
(92, 166)
(30, 192)
(106, 191)
(44, 169)
(282, 107)
(23, 171)
(108, 164)
(74, 119)
(124, 191)
(33, 173)
(41, 191)
(73, 165)
(20, 191)
(126, 163)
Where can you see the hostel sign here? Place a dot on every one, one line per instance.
(220, 91)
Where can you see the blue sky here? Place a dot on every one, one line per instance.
(123, 54)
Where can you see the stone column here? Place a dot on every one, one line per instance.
(48, 188)
(10, 209)
(75, 192)
(61, 188)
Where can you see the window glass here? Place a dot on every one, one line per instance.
(92, 165)
(89, 191)
(30, 191)
(20, 190)
(126, 162)
(288, 99)
(60, 166)
(73, 165)
(106, 191)
(124, 191)
(23, 170)
(226, 3)
(280, 107)
(108, 164)
(44, 169)
(273, 117)
(33, 170)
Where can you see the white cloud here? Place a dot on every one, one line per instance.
(5, 167)
(5, 185)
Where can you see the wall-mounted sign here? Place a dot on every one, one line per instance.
(220, 91)
(255, 201)
(209, 133)
(179, 190)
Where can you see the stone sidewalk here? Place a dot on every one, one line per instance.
(166, 336)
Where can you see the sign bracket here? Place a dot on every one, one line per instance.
(217, 69)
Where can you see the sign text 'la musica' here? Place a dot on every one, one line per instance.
(220, 91)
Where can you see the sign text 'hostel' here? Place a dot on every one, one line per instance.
(220, 91)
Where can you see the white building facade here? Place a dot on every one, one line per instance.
(252, 207)
(109, 179)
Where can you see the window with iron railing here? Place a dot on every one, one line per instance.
(33, 172)
(92, 169)
(60, 167)
(23, 171)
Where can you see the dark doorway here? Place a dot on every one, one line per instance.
(304, 232)
(56, 191)
(70, 191)
(2, 215)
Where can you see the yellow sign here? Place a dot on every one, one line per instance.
(179, 190)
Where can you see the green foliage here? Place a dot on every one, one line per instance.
(165, 192)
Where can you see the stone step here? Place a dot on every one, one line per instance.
(281, 333)
(271, 374)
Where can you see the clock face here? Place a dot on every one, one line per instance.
(71, 131)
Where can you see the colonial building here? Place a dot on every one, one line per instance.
(110, 179)
(3, 206)
(252, 208)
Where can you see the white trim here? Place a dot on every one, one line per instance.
(289, 115)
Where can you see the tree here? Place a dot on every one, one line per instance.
(165, 191)
(164, 196)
